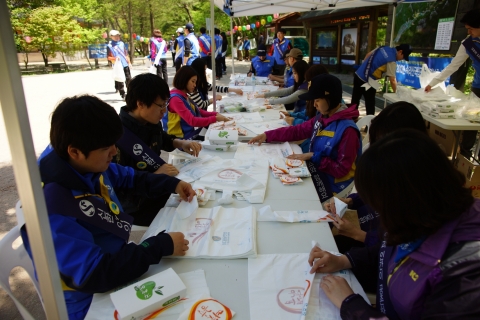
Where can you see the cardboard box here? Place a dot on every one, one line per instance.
(445, 138)
(149, 295)
(471, 172)
(223, 137)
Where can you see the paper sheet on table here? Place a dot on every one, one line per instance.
(194, 169)
(266, 150)
(276, 284)
(227, 174)
(261, 127)
(267, 214)
(245, 117)
(437, 94)
(215, 233)
(102, 306)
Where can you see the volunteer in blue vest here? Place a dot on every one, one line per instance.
(218, 54)
(143, 140)
(89, 228)
(262, 64)
(205, 42)
(279, 47)
(470, 48)
(179, 48)
(246, 48)
(117, 52)
(382, 60)
(159, 46)
(191, 46)
(171, 46)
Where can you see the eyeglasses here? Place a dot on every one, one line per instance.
(160, 106)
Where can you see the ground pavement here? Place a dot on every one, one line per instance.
(42, 93)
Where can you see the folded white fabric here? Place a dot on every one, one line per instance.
(215, 233)
(208, 308)
(267, 214)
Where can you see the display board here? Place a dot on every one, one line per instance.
(444, 33)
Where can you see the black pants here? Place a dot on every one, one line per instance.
(119, 85)
(178, 63)
(369, 95)
(469, 137)
(246, 55)
(173, 58)
(218, 67)
(162, 70)
(208, 61)
(224, 65)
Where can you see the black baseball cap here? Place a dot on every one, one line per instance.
(262, 50)
(189, 26)
(324, 86)
(406, 50)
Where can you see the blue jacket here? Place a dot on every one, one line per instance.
(194, 48)
(262, 68)
(205, 42)
(246, 45)
(279, 49)
(288, 77)
(91, 259)
(376, 64)
(218, 46)
(180, 50)
(472, 46)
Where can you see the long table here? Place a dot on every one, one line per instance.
(228, 279)
(455, 125)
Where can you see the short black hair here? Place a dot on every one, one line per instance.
(145, 88)
(84, 122)
(282, 30)
(203, 30)
(199, 66)
(300, 68)
(398, 115)
(411, 183)
(217, 31)
(183, 75)
(472, 18)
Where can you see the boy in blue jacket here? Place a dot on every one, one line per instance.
(89, 228)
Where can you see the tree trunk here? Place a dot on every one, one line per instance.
(88, 60)
(63, 58)
(97, 66)
(151, 19)
(188, 12)
(131, 50)
(45, 58)
(25, 59)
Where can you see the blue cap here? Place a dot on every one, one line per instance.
(189, 26)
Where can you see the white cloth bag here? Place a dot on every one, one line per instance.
(117, 73)
(427, 75)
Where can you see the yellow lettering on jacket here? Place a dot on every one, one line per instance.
(413, 275)
(325, 133)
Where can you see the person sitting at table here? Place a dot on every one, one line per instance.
(399, 115)
(335, 139)
(200, 95)
(89, 228)
(287, 74)
(427, 265)
(291, 94)
(146, 100)
(262, 65)
(184, 119)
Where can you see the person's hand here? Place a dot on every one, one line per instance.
(270, 76)
(259, 95)
(428, 88)
(289, 120)
(218, 97)
(185, 191)
(180, 244)
(237, 91)
(220, 117)
(285, 113)
(249, 74)
(301, 156)
(167, 169)
(192, 147)
(330, 205)
(325, 262)
(336, 288)
(261, 138)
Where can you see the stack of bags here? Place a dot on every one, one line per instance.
(289, 171)
(439, 110)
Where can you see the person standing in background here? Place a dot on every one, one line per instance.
(224, 53)
(279, 47)
(179, 49)
(117, 52)
(470, 48)
(159, 46)
(205, 42)
(171, 45)
(239, 49)
(246, 48)
(192, 48)
(218, 53)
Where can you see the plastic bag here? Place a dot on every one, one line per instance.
(427, 75)
(152, 69)
(471, 108)
(118, 74)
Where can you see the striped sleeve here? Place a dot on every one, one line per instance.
(197, 99)
(219, 88)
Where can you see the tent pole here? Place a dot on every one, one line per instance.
(27, 175)
(391, 45)
(233, 45)
(213, 51)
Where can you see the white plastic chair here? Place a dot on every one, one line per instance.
(365, 121)
(11, 258)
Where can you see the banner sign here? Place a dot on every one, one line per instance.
(96, 51)
(408, 72)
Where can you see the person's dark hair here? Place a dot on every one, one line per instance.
(300, 68)
(312, 72)
(410, 182)
(398, 115)
(157, 33)
(472, 18)
(84, 122)
(217, 31)
(183, 75)
(282, 31)
(145, 88)
(285, 54)
(199, 66)
(203, 30)
(224, 36)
